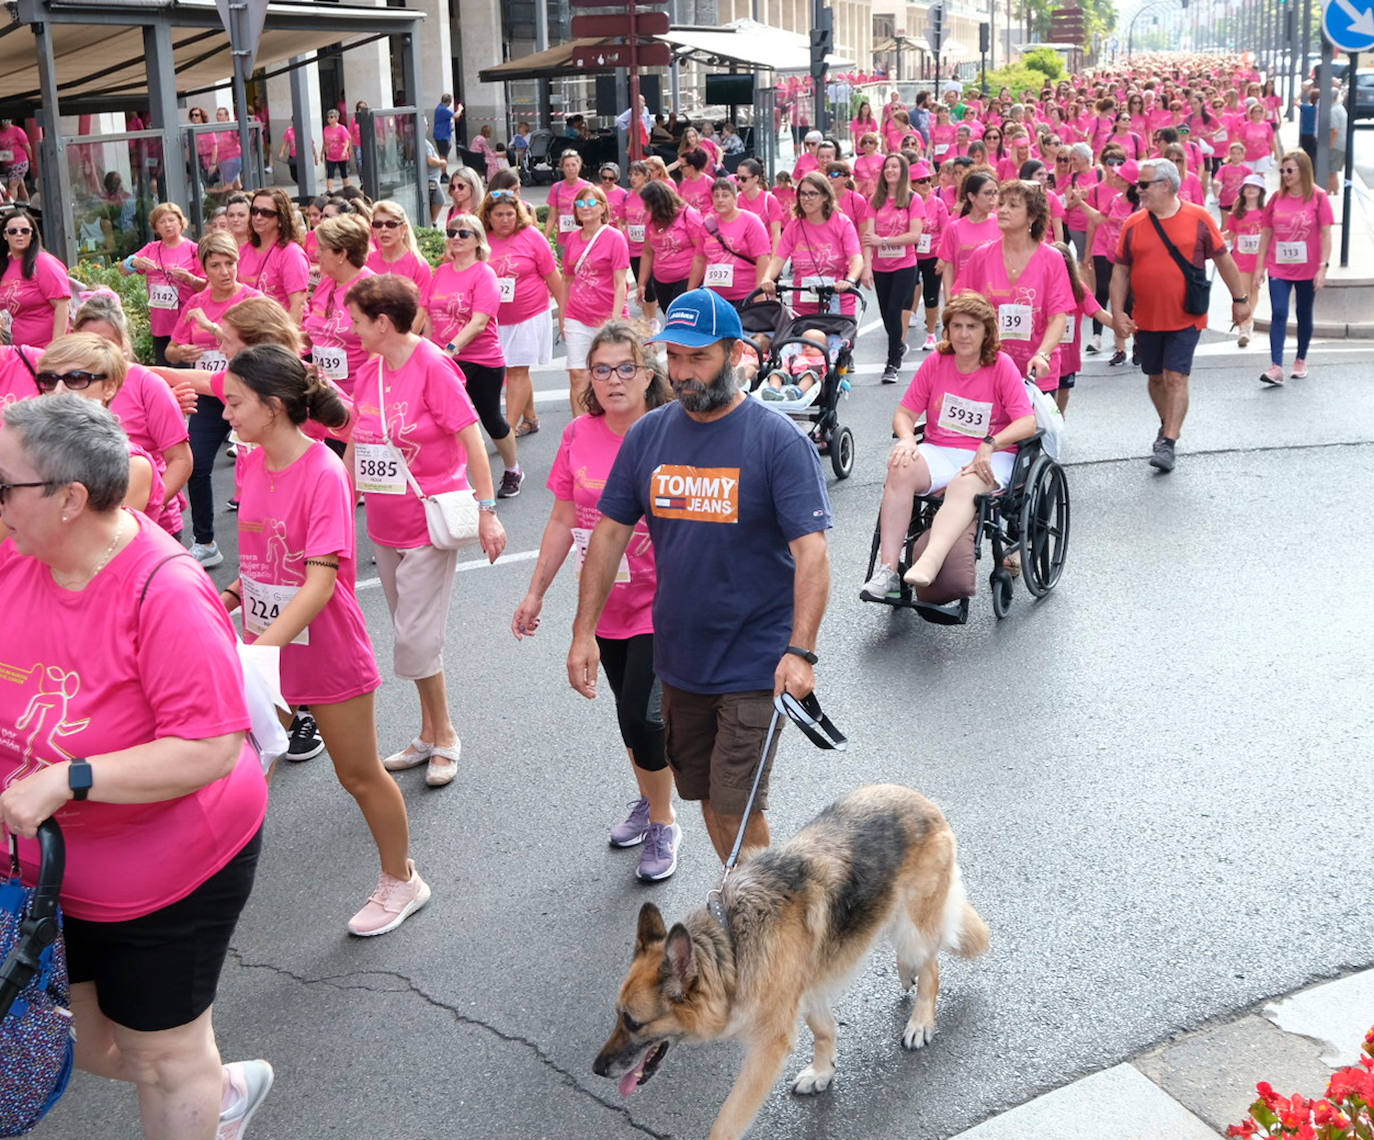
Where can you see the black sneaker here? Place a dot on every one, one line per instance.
(305, 741)
(905, 349)
(1118, 357)
(510, 484)
(890, 374)
(1162, 454)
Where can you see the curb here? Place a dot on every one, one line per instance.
(1196, 1084)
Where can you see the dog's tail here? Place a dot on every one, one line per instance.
(965, 932)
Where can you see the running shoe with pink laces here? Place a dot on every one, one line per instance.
(391, 904)
(249, 1083)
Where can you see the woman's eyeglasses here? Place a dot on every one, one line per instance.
(386, 224)
(461, 233)
(18, 232)
(808, 194)
(6, 488)
(263, 212)
(625, 370)
(75, 381)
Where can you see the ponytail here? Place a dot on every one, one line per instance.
(323, 403)
(272, 372)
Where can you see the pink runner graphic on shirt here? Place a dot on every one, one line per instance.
(46, 717)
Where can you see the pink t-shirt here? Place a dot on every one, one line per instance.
(165, 306)
(891, 220)
(962, 236)
(188, 333)
(734, 276)
(1076, 219)
(893, 134)
(766, 206)
(289, 138)
(868, 168)
(525, 256)
(329, 325)
(1230, 175)
(228, 144)
(804, 165)
(426, 406)
(786, 198)
(452, 298)
(106, 668)
(675, 247)
(1071, 346)
(561, 199)
(580, 468)
(854, 206)
(277, 270)
(407, 265)
(631, 215)
(997, 387)
(615, 198)
(1244, 234)
(937, 220)
(942, 141)
(30, 301)
(151, 417)
(1295, 251)
(592, 279)
(1023, 309)
(305, 510)
(1115, 208)
(15, 140)
(822, 250)
(16, 378)
(696, 192)
(1257, 137)
(336, 143)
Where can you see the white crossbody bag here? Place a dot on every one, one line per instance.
(451, 516)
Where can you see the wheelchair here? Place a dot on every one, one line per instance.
(1030, 516)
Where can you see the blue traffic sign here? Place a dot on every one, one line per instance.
(1349, 24)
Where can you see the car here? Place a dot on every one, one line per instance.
(1338, 68)
(1364, 93)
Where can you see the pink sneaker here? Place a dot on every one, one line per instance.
(391, 904)
(249, 1083)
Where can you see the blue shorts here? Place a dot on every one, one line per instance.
(1169, 350)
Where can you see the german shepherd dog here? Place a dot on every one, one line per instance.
(798, 923)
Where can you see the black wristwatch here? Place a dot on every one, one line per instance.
(991, 441)
(79, 778)
(805, 654)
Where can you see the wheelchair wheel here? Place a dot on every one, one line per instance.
(1002, 588)
(1044, 527)
(842, 452)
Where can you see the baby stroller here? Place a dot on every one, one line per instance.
(36, 1040)
(819, 404)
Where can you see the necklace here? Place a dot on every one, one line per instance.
(104, 558)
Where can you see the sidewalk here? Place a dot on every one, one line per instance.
(1194, 1086)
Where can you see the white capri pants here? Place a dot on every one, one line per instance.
(946, 462)
(418, 584)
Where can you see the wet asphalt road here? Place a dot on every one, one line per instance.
(1158, 776)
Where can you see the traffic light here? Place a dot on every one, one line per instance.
(937, 25)
(985, 36)
(822, 38)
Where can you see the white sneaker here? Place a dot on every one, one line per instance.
(884, 583)
(207, 554)
(929, 343)
(250, 1081)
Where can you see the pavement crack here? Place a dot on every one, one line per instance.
(353, 980)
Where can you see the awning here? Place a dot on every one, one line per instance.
(551, 63)
(902, 43)
(103, 58)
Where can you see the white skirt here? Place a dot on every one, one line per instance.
(528, 343)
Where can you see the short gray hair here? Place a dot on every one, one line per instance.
(1165, 171)
(70, 439)
(1082, 150)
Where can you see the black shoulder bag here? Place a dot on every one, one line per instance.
(1197, 291)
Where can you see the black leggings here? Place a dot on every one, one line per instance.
(629, 664)
(484, 390)
(895, 291)
(1102, 286)
(928, 273)
(667, 292)
(208, 430)
(650, 297)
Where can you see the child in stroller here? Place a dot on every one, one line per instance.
(802, 367)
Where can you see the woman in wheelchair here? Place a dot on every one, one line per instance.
(976, 410)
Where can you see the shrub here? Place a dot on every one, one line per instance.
(133, 295)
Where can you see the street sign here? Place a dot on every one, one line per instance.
(618, 25)
(1349, 24)
(256, 12)
(655, 54)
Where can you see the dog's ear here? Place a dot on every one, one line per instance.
(651, 929)
(679, 957)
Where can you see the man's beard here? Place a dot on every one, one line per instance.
(694, 396)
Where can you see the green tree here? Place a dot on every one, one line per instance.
(1047, 61)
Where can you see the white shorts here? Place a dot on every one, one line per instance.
(577, 339)
(1263, 165)
(528, 343)
(946, 462)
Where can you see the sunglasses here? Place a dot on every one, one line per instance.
(586, 203)
(1146, 183)
(1115, 162)
(625, 370)
(461, 233)
(808, 193)
(75, 381)
(608, 178)
(6, 488)
(263, 212)
(837, 174)
(386, 224)
(17, 233)
(503, 193)
(920, 180)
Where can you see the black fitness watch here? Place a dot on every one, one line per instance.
(79, 778)
(805, 654)
(991, 441)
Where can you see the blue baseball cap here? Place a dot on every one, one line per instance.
(698, 318)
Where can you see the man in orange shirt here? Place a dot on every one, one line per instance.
(1165, 333)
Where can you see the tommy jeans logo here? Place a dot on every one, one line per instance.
(703, 494)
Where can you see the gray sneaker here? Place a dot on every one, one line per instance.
(510, 484)
(207, 554)
(630, 831)
(251, 1081)
(1162, 454)
(658, 856)
(883, 584)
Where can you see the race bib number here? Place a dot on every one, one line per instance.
(162, 296)
(923, 243)
(332, 361)
(212, 361)
(635, 233)
(263, 604)
(720, 275)
(377, 469)
(890, 251)
(581, 537)
(1068, 330)
(6, 156)
(810, 285)
(1290, 252)
(1247, 243)
(966, 417)
(566, 223)
(940, 149)
(507, 285)
(1014, 322)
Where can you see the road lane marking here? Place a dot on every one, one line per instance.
(470, 564)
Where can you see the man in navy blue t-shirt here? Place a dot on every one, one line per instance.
(737, 509)
(443, 125)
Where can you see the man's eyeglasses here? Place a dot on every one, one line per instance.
(264, 212)
(1146, 183)
(461, 233)
(75, 381)
(625, 370)
(6, 488)
(386, 224)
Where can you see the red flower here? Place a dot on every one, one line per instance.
(1245, 1128)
